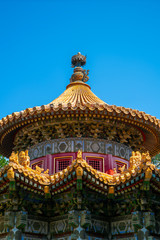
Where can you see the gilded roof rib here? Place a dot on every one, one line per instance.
(78, 94)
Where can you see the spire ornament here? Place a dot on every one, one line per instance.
(79, 74)
(78, 60)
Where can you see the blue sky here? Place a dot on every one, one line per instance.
(120, 38)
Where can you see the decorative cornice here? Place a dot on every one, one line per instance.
(85, 144)
(137, 119)
(110, 130)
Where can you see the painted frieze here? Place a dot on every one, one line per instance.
(74, 144)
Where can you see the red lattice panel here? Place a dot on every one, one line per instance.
(62, 163)
(95, 163)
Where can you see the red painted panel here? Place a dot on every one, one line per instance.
(96, 163)
(61, 160)
(48, 163)
(107, 160)
(62, 163)
(56, 162)
(110, 164)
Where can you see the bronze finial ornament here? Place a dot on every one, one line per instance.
(78, 60)
(79, 74)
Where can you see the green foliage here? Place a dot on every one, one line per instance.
(157, 157)
(156, 160)
(3, 161)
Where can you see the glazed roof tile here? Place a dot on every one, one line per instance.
(78, 96)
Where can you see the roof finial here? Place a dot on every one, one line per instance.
(78, 60)
(79, 74)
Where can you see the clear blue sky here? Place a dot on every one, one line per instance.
(120, 38)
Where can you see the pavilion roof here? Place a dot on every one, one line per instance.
(78, 96)
(78, 102)
(141, 171)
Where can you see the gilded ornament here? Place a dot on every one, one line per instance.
(115, 170)
(10, 174)
(61, 175)
(39, 170)
(122, 169)
(44, 179)
(46, 189)
(152, 166)
(14, 158)
(96, 175)
(20, 168)
(148, 174)
(68, 167)
(93, 171)
(25, 172)
(83, 164)
(133, 161)
(148, 158)
(123, 178)
(46, 172)
(105, 181)
(79, 172)
(88, 168)
(128, 175)
(138, 157)
(24, 159)
(118, 180)
(111, 190)
(101, 179)
(31, 174)
(79, 154)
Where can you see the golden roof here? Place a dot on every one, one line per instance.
(78, 95)
(77, 102)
